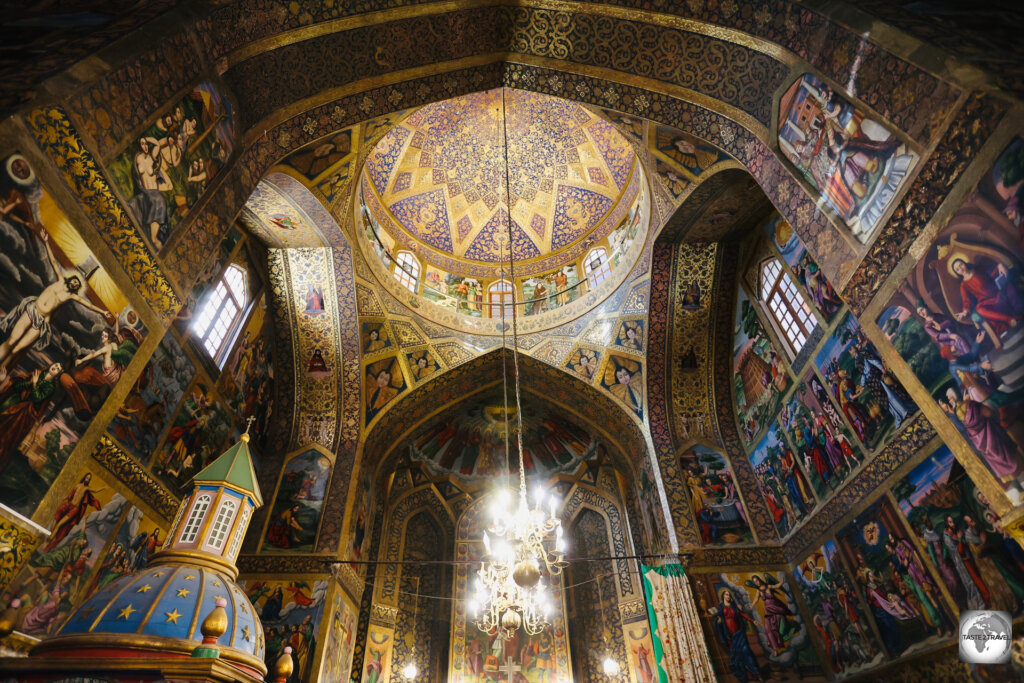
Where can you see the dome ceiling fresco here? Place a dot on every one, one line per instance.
(441, 175)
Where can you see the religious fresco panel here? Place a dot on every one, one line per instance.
(247, 379)
(754, 627)
(956, 320)
(907, 605)
(623, 378)
(819, 290)
(146, 411)
(784, 484)
(67, 334)
(298, 504)
(336, 663)
(165, 171)
(760, 378)
(839, 617)
(821, 440)
(200, 428)
(977, 561)
(869, 395)
(856, 163)
(57, 575)
(384, 380)
(291, 612)
(715, 497)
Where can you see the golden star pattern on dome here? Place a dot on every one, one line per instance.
(173, 616)
(144, 588)
(183, 592)
(441, 173)
(126, 612)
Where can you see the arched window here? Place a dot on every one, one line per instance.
(597, 267)
(499, 295)
(784, 302)
(220, 316)
(221, 524)
(239, 532)
(407, 270)
(195, 518)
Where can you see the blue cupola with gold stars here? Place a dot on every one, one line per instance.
(185, 605)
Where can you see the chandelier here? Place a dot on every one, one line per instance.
(509, 590)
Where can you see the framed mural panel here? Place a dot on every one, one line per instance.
(760, 377)
(956, 320)
(298, 505)
(783, 482)
(291, 613)
(715, 497)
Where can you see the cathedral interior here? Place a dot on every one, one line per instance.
(295, 294)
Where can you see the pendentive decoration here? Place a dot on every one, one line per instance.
(509, 592)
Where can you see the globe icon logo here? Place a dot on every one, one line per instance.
(985, 637)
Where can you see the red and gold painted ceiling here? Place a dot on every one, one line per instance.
(441, 175)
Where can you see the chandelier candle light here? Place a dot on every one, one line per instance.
(509, 591)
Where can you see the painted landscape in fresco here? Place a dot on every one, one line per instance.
(840, 618)
(904, 600)
(869, 395)
(67, 335)
(783, 482)
(855, 162)
(754, 628)
(956, 320)
(822, 296)
(290, 612)
(165, 171)
(295, 517)
(822, 442)
(759, 374)
(981, 566)
(715, 498)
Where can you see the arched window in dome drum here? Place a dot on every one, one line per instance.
(195, 518)
(221, 524)
(239, 532)
(499, 294)
(597, 267)
(787, 307)
(407, 270)
(218, 320)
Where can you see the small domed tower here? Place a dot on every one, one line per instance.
(184, 612)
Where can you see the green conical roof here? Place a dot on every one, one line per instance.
(233, 467)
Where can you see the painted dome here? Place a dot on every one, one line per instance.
(168, 601)
(438, 178)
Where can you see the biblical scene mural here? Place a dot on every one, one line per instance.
(67, 334)
(856, 162)
(783, 482)
(956, 320)
(291, 613)
(544, 293)
(905, 602)
(384, 381)
(471, 442)
(56, 575)
(623, 378)
(145, 413)
(715, 498)
(138, 538)
(754, 627)
(298, 505)
(820, 439)
(337, 659)
(869, 395)
(819, 291)
(247, 379)
(980, 565)
(200, 428)
(760, 377)
(839, 617)
(168, 168)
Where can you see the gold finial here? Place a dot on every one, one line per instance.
(248, 424)
(215, 623)
(283, 666)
